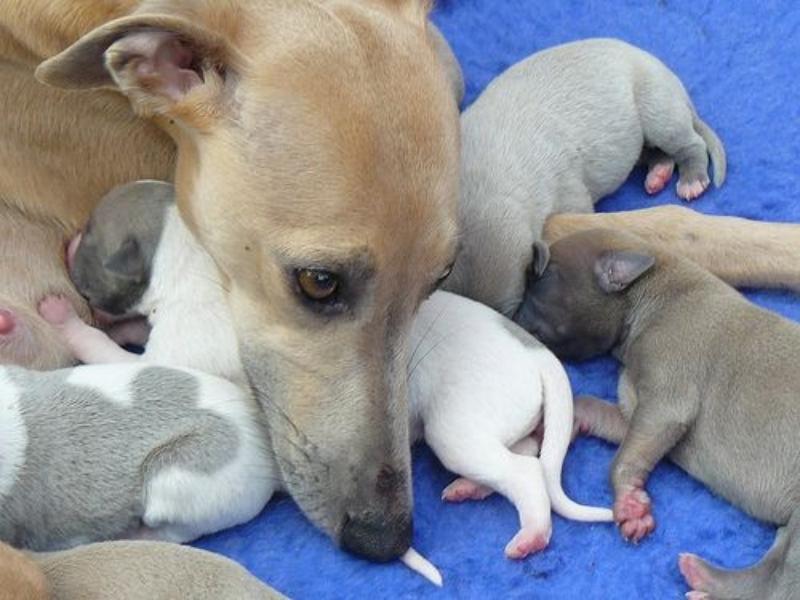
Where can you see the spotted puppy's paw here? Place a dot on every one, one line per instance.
(57, 310)
(632, 512)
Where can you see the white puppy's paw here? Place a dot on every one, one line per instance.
(528, 541)
(463, 489)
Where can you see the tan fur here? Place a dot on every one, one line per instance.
(740, 251)
(20, 577)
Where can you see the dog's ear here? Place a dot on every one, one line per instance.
(541, 258)
(157, 61)
(128, 262)
(618, 269)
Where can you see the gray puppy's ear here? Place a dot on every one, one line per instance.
(541, 258)
(616, 270)
(128, 261)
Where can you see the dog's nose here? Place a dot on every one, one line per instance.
(377, 538)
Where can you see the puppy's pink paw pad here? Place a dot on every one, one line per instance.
(56, 310)
(692, 190)
(463, 489)
(694, 572)
(632, 514)
(658, 177)
(527, 542)
(7, 322)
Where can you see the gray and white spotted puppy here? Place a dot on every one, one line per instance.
(126, 450)
(708, 378)
(555, 133)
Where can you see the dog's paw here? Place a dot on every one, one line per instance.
(692, 188)
(526, 542)
(463, 489)
(57, 310)
(658, 176)
(695, 572)
(632, 513)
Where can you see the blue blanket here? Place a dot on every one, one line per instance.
(739, 62)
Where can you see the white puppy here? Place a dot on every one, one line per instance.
(479, 387)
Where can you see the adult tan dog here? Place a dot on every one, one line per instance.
(314, 146)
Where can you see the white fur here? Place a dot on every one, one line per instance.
(13, 434)
(182, 505)
(186, 306)
(113, 381)
(478, 391)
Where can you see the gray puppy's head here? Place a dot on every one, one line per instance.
(575, 297)
(110, 262)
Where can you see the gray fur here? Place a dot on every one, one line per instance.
(111, 268)
(708, 378)
(555, 133)
(89, 458)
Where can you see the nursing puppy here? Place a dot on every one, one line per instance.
(708, 378)
(479, 386)
(554, 134)
(127, 450)
(136, 257)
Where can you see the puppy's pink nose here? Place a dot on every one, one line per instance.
(7, 322)
(72, 248)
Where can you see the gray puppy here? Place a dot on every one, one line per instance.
(126, 450)
(557, 132)
(708, 378)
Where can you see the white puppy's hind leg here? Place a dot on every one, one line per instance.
(518, 478)
(462, 489)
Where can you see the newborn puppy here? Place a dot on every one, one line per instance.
(136, 257)
(557, 132)
(128, 450)
(139, 570)
(478, 388)
(708, 378)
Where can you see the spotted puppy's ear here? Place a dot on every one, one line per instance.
(128, 262)
(164, 64)
(616, 270)
(541, 258)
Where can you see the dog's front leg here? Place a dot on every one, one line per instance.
(740, 251)
(653, 432)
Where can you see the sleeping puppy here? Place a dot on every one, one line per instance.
(554, 134)
(137, 258)
(478, 388)
(127, 450)
(708, 378)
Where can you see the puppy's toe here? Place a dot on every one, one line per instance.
(56, 310)
(690, 189)
(463, 489)
(7, 322)
(658, 176)
(527, 541)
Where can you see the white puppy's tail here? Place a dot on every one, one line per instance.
(558, 415)
(716, 150)
(418, 563)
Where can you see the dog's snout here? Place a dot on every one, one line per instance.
(377, 538)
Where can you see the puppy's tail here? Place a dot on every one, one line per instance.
(418, 563)
(558, 415)
(716, 150)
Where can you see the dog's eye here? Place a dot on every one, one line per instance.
(317, 285)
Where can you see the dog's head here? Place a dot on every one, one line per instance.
(575, 298)
(318, 164)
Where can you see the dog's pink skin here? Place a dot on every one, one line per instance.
(632, 512)
(7, 322)
(527, 542)
(57, 310)
(693, 572)
(658, 176)
(464, 489)
(72, 248)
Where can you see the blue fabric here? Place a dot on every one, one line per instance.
(739, 63)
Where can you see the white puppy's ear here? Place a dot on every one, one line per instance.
(618, 269)
(541, 258)
(159, 62)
